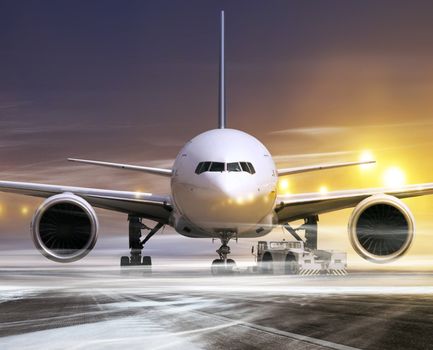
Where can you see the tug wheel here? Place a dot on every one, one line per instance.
(292, 268)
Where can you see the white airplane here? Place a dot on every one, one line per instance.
(223, 186)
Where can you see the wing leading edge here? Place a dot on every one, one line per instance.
(144, 169)
(145, 205)
(299, 206)
(304, 169)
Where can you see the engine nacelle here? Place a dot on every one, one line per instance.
(65, 228)
(381, 228)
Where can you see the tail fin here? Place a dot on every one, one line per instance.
(222, 87)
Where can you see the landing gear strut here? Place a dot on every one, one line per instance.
(310, 228)
(223, 265)
(136, 244)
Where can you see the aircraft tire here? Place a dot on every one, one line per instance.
(124, 261)
(147, 260)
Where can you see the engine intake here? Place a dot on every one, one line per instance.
(65, 228)
(381, 228)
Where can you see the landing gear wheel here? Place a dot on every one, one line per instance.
(230, 266)
(217, 267)
(220, 268)
(147, 261)
(292, 268)
(124, 261)
(135, 260)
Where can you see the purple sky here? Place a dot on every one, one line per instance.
(132, 81)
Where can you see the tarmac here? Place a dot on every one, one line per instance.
(179, 305)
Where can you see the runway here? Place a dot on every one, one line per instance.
(177, 306)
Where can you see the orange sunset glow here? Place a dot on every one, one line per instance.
(313, 86)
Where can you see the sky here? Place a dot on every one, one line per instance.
(132, 81)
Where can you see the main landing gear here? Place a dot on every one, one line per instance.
(310, 228)
(223, 266)
(136, 244)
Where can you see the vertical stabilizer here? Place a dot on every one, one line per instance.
(222, 87)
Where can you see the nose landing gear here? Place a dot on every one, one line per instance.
(223, 266)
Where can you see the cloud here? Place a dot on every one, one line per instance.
(332, 130)
(315, 131)
(13, 104)
(309, 156)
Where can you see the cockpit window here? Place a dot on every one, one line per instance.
(220, 167)
(245, 167)
(248, 167)
(202, 167)
(233, 167)
(252, 170)
(217, 166)
(198, 168)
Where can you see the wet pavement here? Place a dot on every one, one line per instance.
(182, 306)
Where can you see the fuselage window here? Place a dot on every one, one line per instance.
(233, 167)
(217, 166)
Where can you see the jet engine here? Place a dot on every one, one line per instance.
(65, 228)
(381, 228)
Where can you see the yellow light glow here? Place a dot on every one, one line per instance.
(394, 177)
(366, 156)
(24, 210)
(283, 186)
(323, 190)
(139, 194)
(1, 209)
(239, 200)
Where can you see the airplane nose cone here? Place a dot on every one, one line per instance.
(233, 199)
(232, 188)
(226, 201)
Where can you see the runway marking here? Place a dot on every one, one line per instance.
(300, 337)
(229, 322)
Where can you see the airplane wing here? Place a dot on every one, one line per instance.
(304, 169)
(145, 205)
(144, 169)
(299, 206)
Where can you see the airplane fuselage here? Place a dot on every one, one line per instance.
(224, 181)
